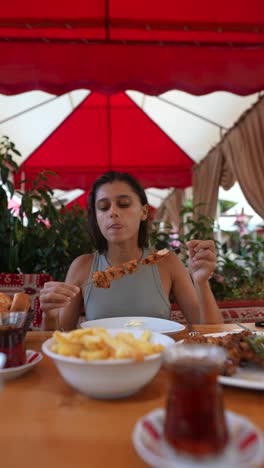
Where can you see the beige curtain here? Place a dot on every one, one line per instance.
(239, 156)
(243, 149)
(207, 176)
(161, 214)
(169, 211)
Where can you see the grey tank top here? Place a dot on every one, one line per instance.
(138, 294)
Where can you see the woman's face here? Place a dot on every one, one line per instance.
(119, 212)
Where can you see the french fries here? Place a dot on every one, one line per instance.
(93, 344)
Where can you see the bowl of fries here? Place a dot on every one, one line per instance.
(107, 364)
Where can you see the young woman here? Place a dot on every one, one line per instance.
(118, 224)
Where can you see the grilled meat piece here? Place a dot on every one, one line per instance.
(238, 350)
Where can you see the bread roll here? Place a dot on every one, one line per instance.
(20, 303)
(5, 302)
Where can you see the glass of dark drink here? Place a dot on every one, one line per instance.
(12, 338)
(195, 421)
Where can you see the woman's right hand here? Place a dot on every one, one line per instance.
(56, 295)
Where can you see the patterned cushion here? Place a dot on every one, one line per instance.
(28, 283)
(245, 312)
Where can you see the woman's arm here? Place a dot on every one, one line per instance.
(208, 309)
(202, 265)
(195, 299)
(62, 302)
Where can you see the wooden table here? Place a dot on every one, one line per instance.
(44, 423)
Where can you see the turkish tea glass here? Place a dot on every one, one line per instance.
(12, 338)
(195, 421)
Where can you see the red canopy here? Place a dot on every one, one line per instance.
(109, 133)
(113, 45)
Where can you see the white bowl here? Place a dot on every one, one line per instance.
(108, 379)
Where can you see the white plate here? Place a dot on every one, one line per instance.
(245, 449)
(137, 323)
(13, 372)
(245, 377)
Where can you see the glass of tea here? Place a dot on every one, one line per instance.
(12, 338)
(195, 421)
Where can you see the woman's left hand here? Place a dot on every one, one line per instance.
(202, 259)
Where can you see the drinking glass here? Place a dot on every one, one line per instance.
(2, 363)
(2, 360)
(195, 421)
(12, 338)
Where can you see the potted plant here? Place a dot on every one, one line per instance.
(238, 279)
(39, 238)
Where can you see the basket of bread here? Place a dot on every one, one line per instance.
(20, 302)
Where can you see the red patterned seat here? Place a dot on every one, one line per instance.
(232, 311)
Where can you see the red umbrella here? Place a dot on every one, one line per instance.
(109, 133)
(113, 45)
(81, 201)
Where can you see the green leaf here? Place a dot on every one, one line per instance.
(16, 151)
(27, 204)
(3, 200)
(10, 187)
(13, 164)
(4, 174)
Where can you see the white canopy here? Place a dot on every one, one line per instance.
(195, 123)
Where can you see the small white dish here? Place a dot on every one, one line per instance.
(245, 449)
(153, 324)
(33, 357)
(106, 378)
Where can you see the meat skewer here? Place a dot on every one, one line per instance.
(154, 257)
(102, 279)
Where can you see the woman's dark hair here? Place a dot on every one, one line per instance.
(96, 236)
